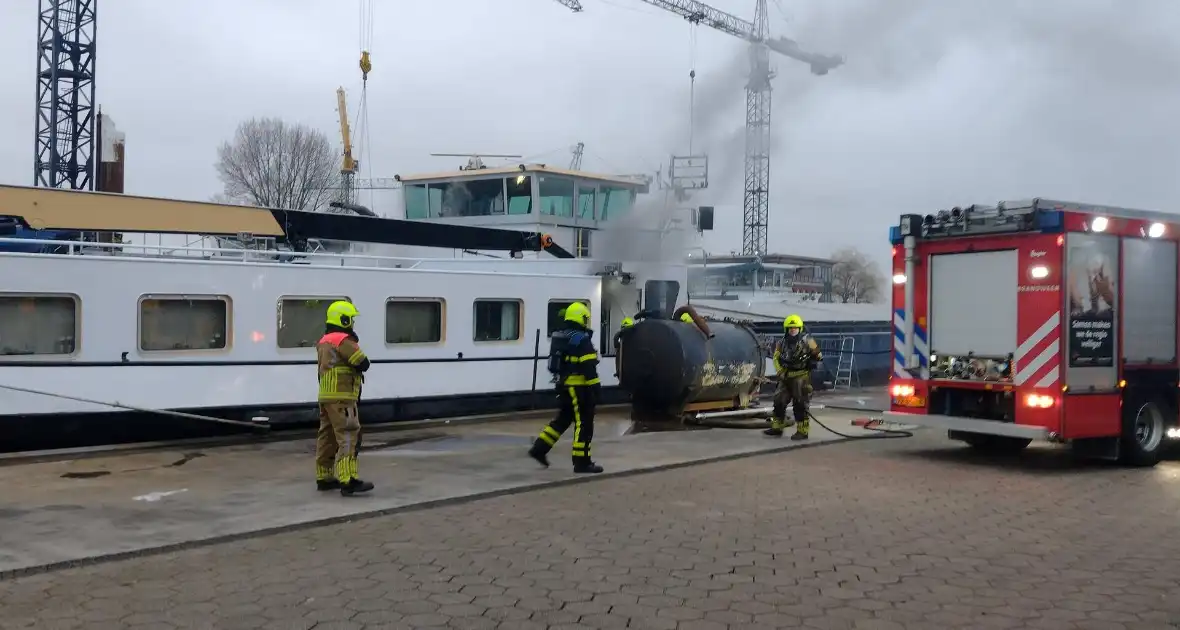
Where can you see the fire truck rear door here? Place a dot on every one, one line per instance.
(973, 303)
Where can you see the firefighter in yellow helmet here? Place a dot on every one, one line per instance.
(573, 361)
(617, 340)
(796, 354)
(342, 365)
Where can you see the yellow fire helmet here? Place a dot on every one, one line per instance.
(578, 313)
(793, 321)
(628, 322)
(686, 318)
(342, 314)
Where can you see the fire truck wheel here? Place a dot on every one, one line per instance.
(1142, 434)
(991, 443)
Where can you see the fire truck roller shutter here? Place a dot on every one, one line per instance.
(973, 303)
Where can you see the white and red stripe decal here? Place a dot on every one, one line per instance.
(1037, 359)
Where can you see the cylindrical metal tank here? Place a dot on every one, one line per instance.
(667, 364)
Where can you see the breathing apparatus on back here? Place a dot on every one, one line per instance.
(563, 341)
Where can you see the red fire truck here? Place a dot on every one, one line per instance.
(1038, 320)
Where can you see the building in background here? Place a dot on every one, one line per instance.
(734, 277)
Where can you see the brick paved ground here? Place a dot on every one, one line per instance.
(883, 535)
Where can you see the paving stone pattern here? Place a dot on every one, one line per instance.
(901, 534)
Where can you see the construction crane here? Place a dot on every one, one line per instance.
(573, 5)
(756, 198)
(576, 159)
(64, 145)
(349, 165)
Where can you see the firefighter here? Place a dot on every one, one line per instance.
(795, 355)
(624, 327)
(574, 363)
(617, 340)
(342, 365)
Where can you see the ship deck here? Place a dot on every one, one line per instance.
(71, 511)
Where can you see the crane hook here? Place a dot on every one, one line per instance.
(366, 65)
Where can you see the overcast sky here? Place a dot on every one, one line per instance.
(942, 102)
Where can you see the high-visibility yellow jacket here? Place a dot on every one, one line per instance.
(341, 363)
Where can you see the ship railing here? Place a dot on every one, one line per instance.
(145, 251)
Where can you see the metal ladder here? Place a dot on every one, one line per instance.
(845, 364)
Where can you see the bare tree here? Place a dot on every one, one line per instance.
(855, 278)
(274, 164)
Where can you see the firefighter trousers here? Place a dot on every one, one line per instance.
(575, 408)
(338, 441)
(793, 389)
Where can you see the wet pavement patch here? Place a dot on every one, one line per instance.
(186, 458)
(86, 475)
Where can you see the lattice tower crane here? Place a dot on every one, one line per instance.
(63, 151)
(576, 156)
(756, 198)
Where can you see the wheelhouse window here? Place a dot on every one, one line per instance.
(301, 320)
(409, 320)
(38, 324)
(586, 202)
(614, 202)
(417, 201)
(520, 194)
(498, 320)
(556, 196)
(472, 198)
(184, 323)
(555, 316)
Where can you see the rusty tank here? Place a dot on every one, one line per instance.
(671, 367)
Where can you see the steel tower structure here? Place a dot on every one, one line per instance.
(756, 198)
(65, 94)
(756, 195)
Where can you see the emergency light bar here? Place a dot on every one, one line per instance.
(976, 220)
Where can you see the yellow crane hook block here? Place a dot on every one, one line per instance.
(366, 65)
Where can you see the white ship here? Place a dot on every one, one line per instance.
(226, 329)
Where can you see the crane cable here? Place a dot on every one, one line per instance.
(692, 82)
(366, 66)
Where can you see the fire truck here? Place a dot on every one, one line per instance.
(1038, 320)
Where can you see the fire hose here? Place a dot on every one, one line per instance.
(712, 420)
(258, 425)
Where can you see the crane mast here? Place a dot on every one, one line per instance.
(63, 152)
(349, 166)
(574, 5)
(756, 196)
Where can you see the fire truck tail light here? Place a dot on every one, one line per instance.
(1039, 401)
(902, 390)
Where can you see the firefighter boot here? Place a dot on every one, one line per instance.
(350, 484)
(324, 480)
(585, 465)
(802, 430)
(776, 428)
(355, 486)
(540, 452)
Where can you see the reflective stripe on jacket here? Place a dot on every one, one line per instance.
(581, 359)
(341, 362)
(793, 360)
